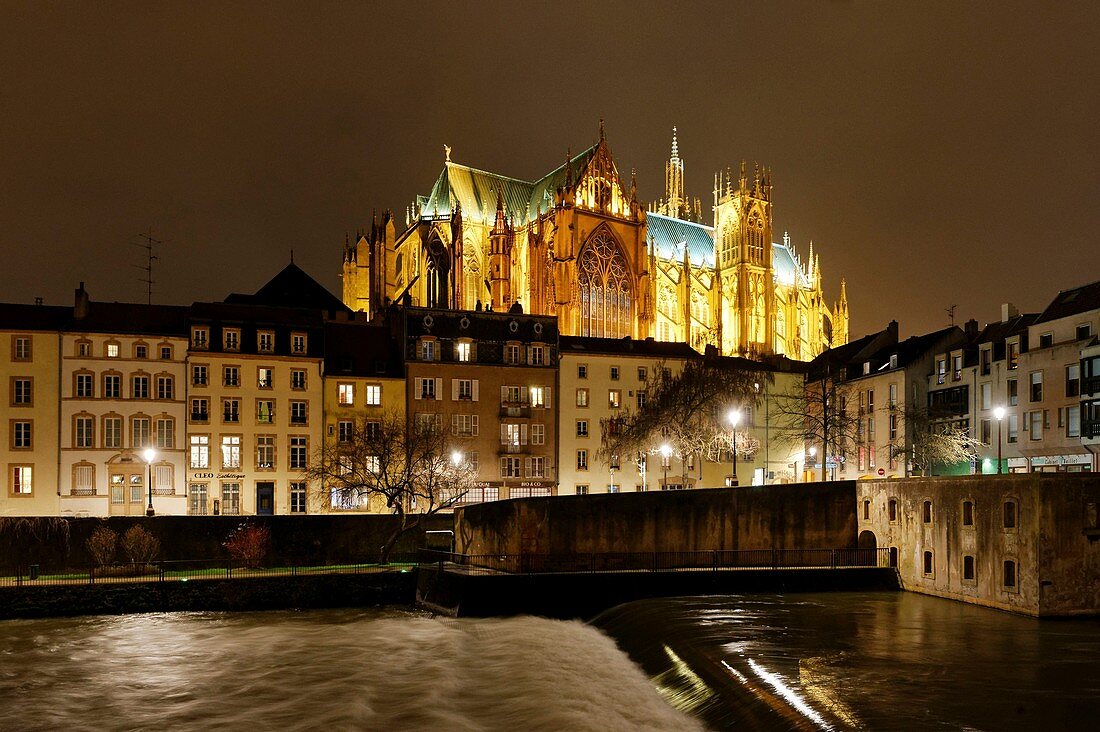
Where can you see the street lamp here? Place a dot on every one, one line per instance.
(456, 458)
(812, 452)
(666, 452)
(150, 454)
(999, 413)
(734, 418)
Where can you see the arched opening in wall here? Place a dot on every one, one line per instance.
(867, 540)
(928, 567)
(892, 510)
(604, 284)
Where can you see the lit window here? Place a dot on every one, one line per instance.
(265, 452)
(346, 394)
(538, 396)
(112, 350)
(462, 351)
(582, 397)
(263, 378)
(231, 499)
(231, 451)
(22, 479)
(265, 411)
(374, 395)
(200, 451)
(582, 459)
(614, 398)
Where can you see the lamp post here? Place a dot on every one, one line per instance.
(813, 456)
(734, 418)
(456, 458)
(150, 454)
(666, 451)
(999, 413)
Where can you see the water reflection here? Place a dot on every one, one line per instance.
(864, 661)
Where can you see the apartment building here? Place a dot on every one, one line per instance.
(490, 380)
(30, 361)
(122, 409)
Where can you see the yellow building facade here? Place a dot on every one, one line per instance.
(578, 244)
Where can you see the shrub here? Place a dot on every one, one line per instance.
(101, 545)
(139, 545)
(248, 544)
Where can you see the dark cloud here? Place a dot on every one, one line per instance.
(937, 154)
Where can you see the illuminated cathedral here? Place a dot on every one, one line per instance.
(577, 243)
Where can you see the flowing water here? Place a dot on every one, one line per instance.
(877, 661)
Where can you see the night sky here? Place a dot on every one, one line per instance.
(936, 154)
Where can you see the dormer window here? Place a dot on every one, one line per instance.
(298, 344)
(232, 339)
(866, 367)
(1046, 340)
(893, 360)
(265, 341)
(200, 338)
(1084, 331)
(112, 350)
(427, 350)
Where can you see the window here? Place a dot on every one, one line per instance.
(197, 499)
(427, 350)
(511, 467)
(866, 510)
(112, 386)
(231, 410)
(1010, 515)
(231, 376)
(22, 391)
(513, 434)
(297, 497)
(462, 351)
(112, 350)
(640, 394)
(264, 378)
(200, 451)
(112, 432)
(582, 428)
(893, 427)
(298, 457)
(163, 484)
(140, 432)
(83, 387)
(424, 388)
(511, 354)
(987, 396)
(1084, 331)
(298, 345)
(538, 434)
(199, 375)
(22, 479)
(582, 459)
(166, 433)
(373, 430)
(536, 467)
(231, 499)
(464, 425)
(166, 387)
(21, 435)
(956, 368)
(299, 412)
(614, 398)
(462, 389)
(538, 396)
(1009, 577)
(265, 452)
(968, 568)
(199, 338)
(139, 386)
(165, 353)
(1035, 424)
(1073, 380)
(1036, 380)
(1013, 389)
(892, 510)
(1013, 428)
(641, 373)
(265, 341)
(927, 568)
(298, 379)
(20, 348)
(582, 397)
(614, 488)
(1046, 340)
(141, 351)
(232, 339)
(986, 361)
(231, 451)
(582, 371)
(987, 432)
(968, 513)
(345, 394)
(84, 479)
(614, 373)
(538, 356)
(1012, 354)
(84, 432)
(265, 411)
(581, 489)
(83, 349)
(374, 395)
(927, 512)
(1073, 421)
(941, 370)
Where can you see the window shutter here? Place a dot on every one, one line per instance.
(418, 386)
(527, 466)
(473, 425)
(503, 394)
(523, 434)
(546, 391)
(438, 388)
(454, 424)
(474, 390)
(503, 434)
(454, 390)
(503, 463)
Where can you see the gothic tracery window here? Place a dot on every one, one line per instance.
(603, 278)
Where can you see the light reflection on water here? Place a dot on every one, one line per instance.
(873, 661)
(375, 670)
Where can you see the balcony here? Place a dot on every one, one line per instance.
(512, 449)
(1090, 430)
(515, 409)
(200, 416)
(1090, 386)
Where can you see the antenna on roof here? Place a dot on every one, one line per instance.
(147, 243)
(951, 313)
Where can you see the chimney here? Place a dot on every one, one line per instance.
(892, 331)
(1008, 312)
(971, 328)
(80, 306)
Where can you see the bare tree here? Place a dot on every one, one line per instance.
(932, 441)
(685, 411)
(406, 469)
(816, 413)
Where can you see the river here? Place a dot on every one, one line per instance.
(828, 661)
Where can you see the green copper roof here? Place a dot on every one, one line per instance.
(669, 236)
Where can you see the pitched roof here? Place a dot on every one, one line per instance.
(627, 346)
(669, 236)
(18, 316)
(1071, 302)
(362, 349)
(787, 267)
(996, 332)
(125, 317)
(291, 288)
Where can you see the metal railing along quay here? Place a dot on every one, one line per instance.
(714, 560)
(186, 570)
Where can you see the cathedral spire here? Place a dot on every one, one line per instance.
(673, 204)
(675, 150)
